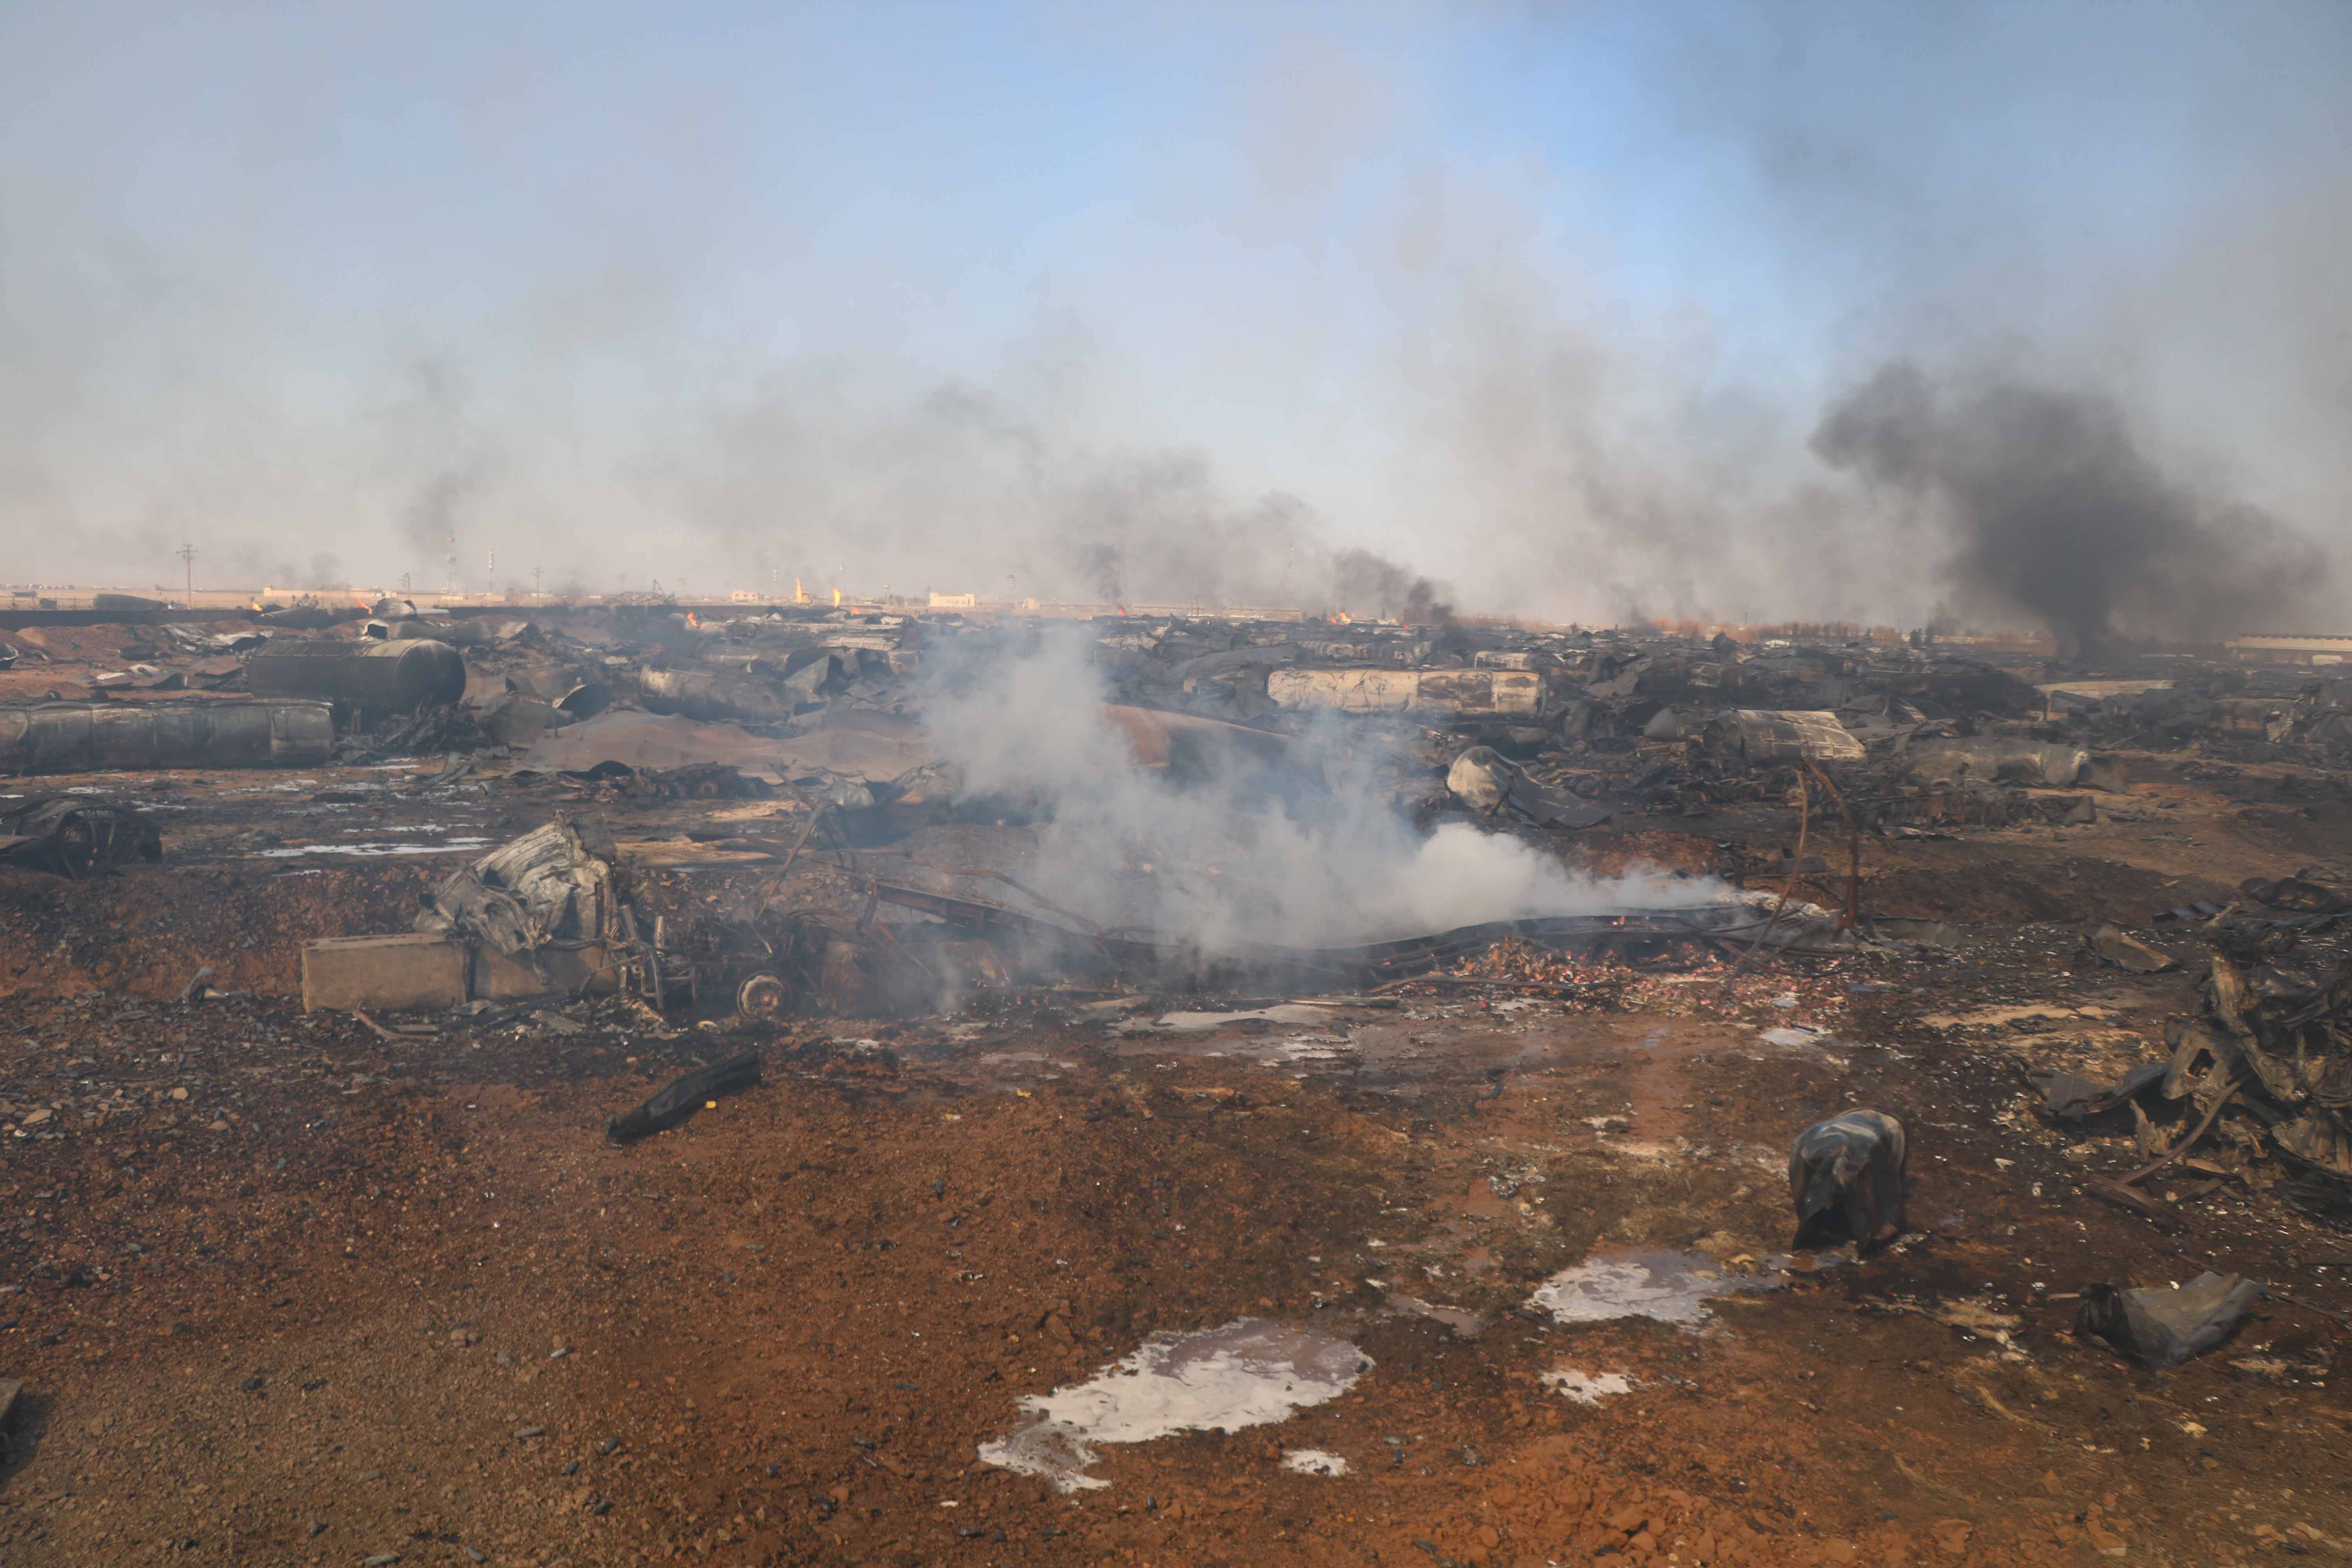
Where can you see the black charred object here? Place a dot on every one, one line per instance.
(1847, 1176)
(676, 1104)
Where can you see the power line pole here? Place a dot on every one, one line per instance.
(188, 554)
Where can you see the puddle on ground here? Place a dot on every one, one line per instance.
(1671, 1287)
(451, 847)
(1313, 1462)
(1247, 1373)
(1310, 1048)
(1204, 1022)
(1587, 1387)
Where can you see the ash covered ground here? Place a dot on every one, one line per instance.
(1497, 1234)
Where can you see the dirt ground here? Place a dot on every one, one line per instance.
(282, 1289)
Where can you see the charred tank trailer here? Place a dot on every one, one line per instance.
(98, 737)
(360, 677)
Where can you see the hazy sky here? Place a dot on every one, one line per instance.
(1544, 301)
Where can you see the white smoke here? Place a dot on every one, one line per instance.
(1312, 852)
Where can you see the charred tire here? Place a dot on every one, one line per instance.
(761, 995)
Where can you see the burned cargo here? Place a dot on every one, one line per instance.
(85, 737)
(362, 676)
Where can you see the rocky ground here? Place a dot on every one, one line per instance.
(292, 1289)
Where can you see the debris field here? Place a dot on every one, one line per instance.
(623, 1085)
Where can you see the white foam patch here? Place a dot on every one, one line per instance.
(1671, 1287)
(1793, 1036)
(1203, 1023)
(1313, 1462)
(371, 851)
(1248, 1374)
(1587, 1387)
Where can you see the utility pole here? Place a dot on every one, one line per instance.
(188, 554)
(534, 584)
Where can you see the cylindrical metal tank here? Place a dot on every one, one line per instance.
(380, 677)
(98, 737)
(711, 694)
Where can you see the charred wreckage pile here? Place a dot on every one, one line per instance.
(1552, 730)
(1557, 730)
(1544, 733)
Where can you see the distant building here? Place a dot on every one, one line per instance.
(955, 600)
(2264, 649)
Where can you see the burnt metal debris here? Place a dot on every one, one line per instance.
(1033, 946)
(677, 1102)
(1599, 722)
(2257, 1088)
(75, 836)
(2163, 1328)
(2070, 1098)
(1848, 1178)
(2279, 1039)
(2118, 949)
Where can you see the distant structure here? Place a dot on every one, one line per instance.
(954, 601)
(2290, 649)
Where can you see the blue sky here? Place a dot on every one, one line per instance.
(645, 292)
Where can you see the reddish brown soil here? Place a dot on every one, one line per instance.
(307, 1312)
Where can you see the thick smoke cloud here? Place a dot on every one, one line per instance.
(439, 456)
(963, 488)
(1542, 306)
(2053, 510)
(1307, 852)
(1369, 581)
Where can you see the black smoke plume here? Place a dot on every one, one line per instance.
(2055, 512)
(1363, 580)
